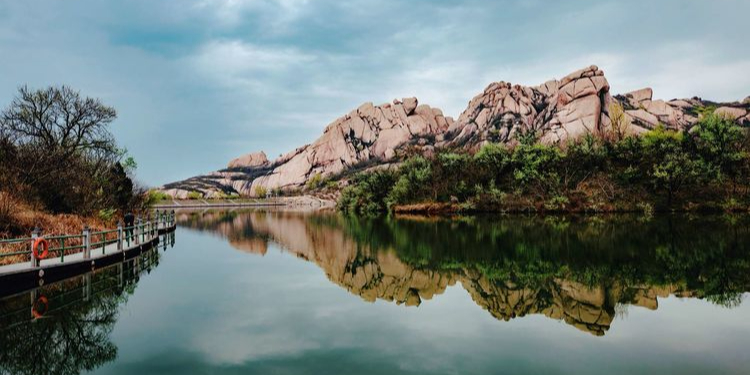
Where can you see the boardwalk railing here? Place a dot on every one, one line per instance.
(19, 250)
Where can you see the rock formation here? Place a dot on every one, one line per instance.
(555, 111)
(253, 159)
(369, 133)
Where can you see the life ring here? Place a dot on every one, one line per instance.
(45, 248)
(40, 307)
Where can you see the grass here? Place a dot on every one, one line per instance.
(18, 219)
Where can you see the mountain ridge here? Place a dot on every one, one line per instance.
(555, 111)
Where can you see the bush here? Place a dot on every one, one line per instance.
(609, 173)
(414, 182)
(669, 166)
(534, 167)
(158, 196)
(194, 195)
(260, 192)
(719, 142)
(367, 193)
(314, 182)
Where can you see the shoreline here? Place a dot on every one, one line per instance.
(295, 201)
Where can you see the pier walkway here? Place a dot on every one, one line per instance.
(27, 266)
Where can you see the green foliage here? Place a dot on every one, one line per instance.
(719, 142)
(669, 165)
(260, 192)
(314, 182)
(617, 172)
(534, 166)
(194, 195)
(107, 214)
(492, 160)
(413, 182)
(155, 196)
(557, 203)
(367, 192)
(704, 111)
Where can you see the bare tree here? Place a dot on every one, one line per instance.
(59, 146)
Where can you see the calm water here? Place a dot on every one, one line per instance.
(293, 293)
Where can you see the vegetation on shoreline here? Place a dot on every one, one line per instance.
(58, 157)
(706, 168)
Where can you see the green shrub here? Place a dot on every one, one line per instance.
(604, 172)
(314, 182)
(155, 196)
(557, 203)
(719, 142)
(260, 192)
(415, 177)
(669, 166)
(367, 192)
(195, 195)
(107, 214)
(534, 167)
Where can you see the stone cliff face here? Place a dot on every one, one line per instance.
(556, 111)
(369, 134)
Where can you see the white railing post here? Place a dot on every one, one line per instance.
(119, 235)
(138, 230)
(158, 220)
(34, 235)
(86, 242)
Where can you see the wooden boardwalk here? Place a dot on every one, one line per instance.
(26, 275)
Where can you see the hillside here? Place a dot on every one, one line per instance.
(554, 112)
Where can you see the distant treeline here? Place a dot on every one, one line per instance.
(705, 168)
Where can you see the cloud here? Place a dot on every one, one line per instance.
(275, 15)
(234, 62)
(214, 79)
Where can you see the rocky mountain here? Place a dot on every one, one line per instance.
(555, 111)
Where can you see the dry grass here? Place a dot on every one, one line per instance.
(426, 208)
(18, 220)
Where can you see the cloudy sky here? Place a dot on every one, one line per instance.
(199, 82)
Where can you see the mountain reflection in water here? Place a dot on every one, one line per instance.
(584, 271)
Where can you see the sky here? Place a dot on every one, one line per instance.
(197, 83)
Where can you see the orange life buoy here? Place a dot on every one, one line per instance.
(40, 307)
(45, 248)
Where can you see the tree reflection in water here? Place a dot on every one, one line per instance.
(582, 270)
(70, 332)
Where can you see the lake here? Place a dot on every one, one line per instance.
(265, 292)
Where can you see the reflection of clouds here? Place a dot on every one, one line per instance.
(243, 312)
(232, 341)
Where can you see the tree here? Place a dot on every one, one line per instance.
(719, 142)
(671, 167)
(620, 123)
(413, 183)
(535, 167)
(57, 145)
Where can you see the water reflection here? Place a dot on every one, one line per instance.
(581, 270)
(64, 328)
